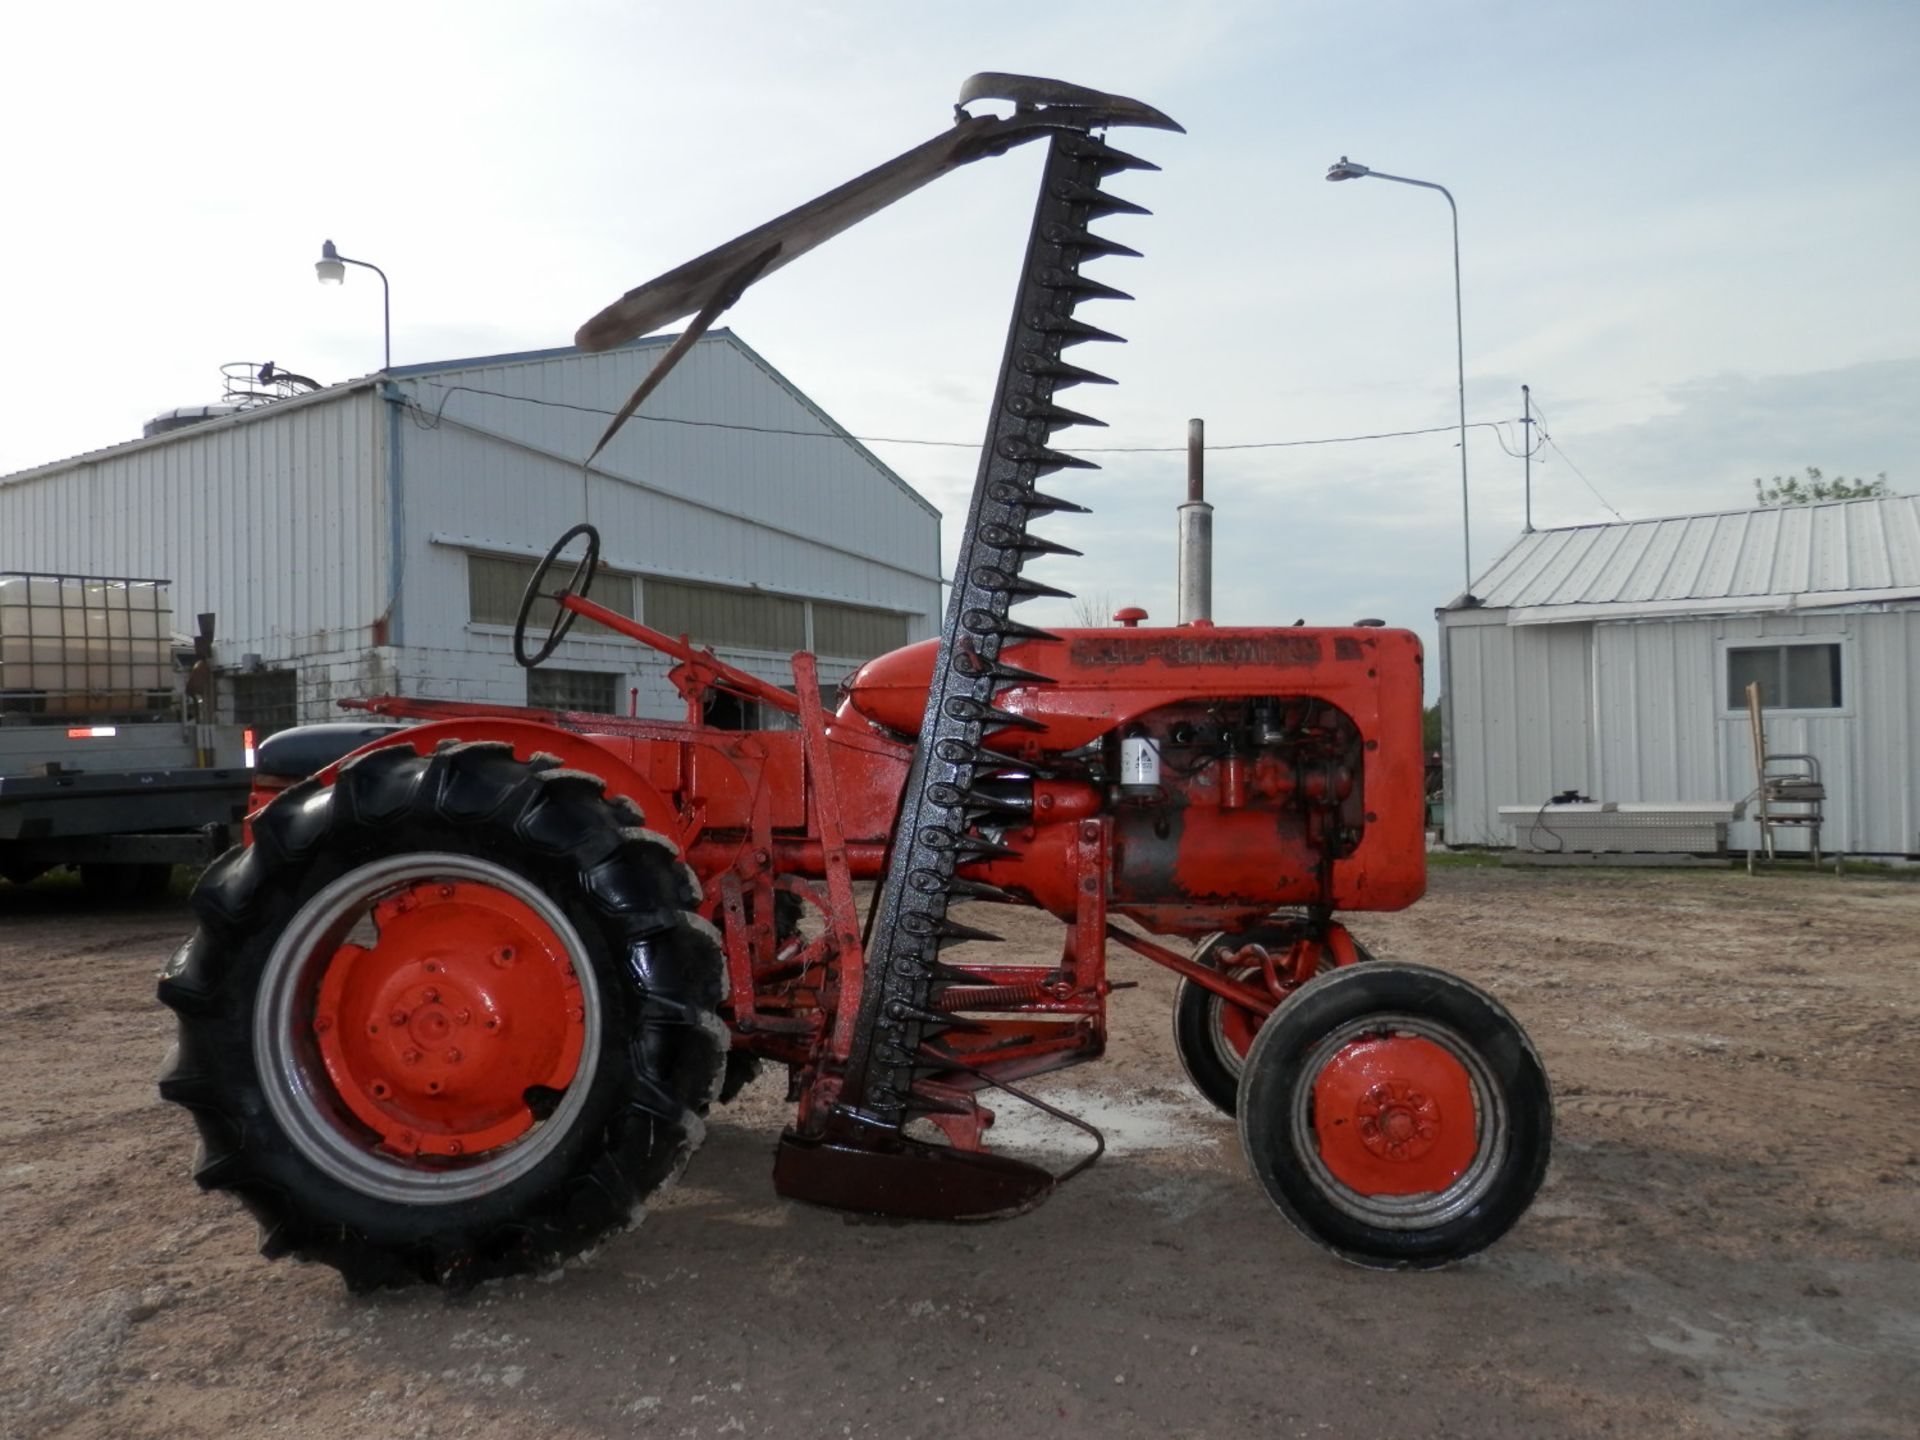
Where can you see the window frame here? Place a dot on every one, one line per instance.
(903, 618)
(585, 630)
(1848, 678)
(613, 678)
(649, 616)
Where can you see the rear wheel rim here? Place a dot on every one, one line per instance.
(1399, 1122)
(449, 1057)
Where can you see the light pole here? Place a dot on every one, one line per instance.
(331, 267)
(1350, 170)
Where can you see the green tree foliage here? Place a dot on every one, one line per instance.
(1792, 490)
(1430, 728)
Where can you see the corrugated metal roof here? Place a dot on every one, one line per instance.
(1866, 547)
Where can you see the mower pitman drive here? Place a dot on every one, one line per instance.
(458, 1008)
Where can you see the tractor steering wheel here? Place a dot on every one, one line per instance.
(577, 584)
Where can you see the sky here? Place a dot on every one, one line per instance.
(1690, 228)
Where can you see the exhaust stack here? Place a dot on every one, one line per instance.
(1195, 580)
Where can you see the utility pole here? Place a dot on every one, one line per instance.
(1526, 447)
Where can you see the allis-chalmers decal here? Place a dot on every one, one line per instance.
(1200, 649)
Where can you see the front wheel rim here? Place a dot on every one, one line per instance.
(447, 1059)
(1399, 1122)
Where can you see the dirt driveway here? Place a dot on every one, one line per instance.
(1728, 1243)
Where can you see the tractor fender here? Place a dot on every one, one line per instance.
(585, 753)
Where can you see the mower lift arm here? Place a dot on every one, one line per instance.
(1042, 107)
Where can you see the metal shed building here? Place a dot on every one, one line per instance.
(1614, 660)
(376, 536)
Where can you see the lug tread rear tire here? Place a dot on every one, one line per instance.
(659, 979)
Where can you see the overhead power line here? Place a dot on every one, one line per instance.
(451, 390)
(1546, 437)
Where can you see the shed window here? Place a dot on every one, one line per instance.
(496, 583)
(1791, 677)
(266, 700)
(854, 632)
(588, 690)
(726, 616)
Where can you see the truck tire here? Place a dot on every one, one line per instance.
(1396, 1115)
(446, 1019)
(115, 885)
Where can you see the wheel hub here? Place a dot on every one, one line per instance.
(444, 1035)
(1394, 1115)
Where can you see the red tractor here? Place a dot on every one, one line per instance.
(457, 1009)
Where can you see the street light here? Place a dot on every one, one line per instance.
(331, 268)
(1347, 169)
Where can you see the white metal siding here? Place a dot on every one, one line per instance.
(812, 518)
(1885, 676)
(275, 521)
(1656, 691)
(280, 521)
(1519, 716)
(795, 514)
(1656, 723)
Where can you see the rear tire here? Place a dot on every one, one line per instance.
(1396, 1115)
(588, 1053)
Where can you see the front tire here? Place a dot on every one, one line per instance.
(1396, 1115)
(446, 1019)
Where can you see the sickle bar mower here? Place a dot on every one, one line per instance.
(460, 1006)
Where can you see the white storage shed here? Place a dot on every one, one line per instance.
(375, 537)
(1613, 660)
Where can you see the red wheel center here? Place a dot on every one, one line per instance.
(1394, 1115)
(434, 1035)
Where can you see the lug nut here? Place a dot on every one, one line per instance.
(465, 1017)
(453, 1057)
(412, 1057)
(397, 1018)
(431, 995)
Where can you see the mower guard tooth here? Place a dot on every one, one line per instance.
(1110, 159)
(1090, 245)
(1060, 372)
(1099, 202)
(1078, 332)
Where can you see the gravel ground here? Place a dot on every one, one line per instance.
(1728, 1243)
